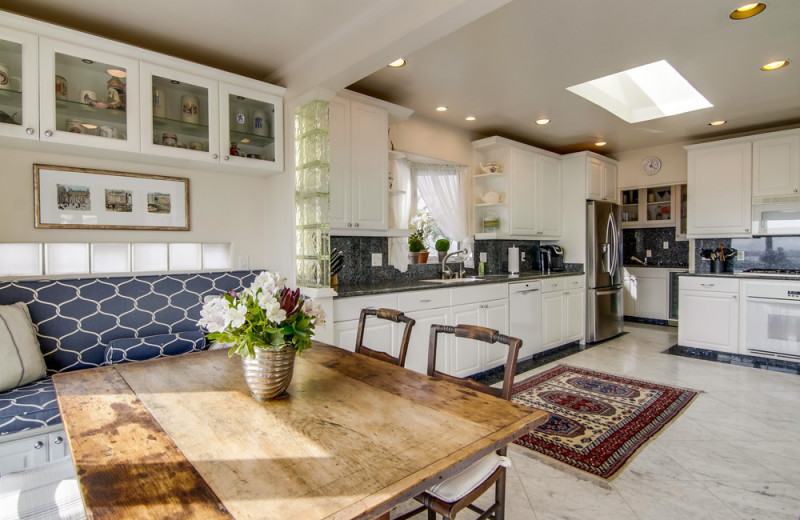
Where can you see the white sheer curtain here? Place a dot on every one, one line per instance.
(443, 188)
(401, 211)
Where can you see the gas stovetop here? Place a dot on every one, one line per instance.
(773, 272)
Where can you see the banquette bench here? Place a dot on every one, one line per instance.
(90, 322)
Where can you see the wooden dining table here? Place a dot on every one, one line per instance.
(181, 437)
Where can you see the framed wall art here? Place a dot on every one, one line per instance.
(79, 198)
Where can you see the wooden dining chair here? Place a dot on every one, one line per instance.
(450, 496)
(384, 314)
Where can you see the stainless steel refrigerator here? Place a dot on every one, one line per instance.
(603, 271)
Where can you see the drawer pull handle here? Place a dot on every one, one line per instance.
(425, 301)
(39, 445)
(59, 440)
(707, 284)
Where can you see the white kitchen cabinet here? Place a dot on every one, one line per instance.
(427, 308)
(20, 99)
(552, 313)
(378, 334)
(530, 188)
(646, 292)
(709, 313)
(66, 118)
(26, 450)
(468, 356)
(719, 182)
(649, 207)
(359, 189)
(776, 166)
(601, 179)
(574, 309)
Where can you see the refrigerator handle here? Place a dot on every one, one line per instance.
(615, 252)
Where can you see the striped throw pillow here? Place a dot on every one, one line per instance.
(21, 360)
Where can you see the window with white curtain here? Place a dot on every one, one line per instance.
(441, 203)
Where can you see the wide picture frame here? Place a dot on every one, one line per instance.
(80, 198)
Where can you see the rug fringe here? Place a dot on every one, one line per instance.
(564, 467)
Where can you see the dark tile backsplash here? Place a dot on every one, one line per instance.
(759, 253)
(636, 242)
(497, 254)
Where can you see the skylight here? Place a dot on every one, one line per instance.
(643, 93)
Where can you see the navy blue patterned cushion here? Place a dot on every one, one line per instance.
(149, 347)
(76, 319)
(28, 407)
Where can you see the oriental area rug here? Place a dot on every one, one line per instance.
(597, 421)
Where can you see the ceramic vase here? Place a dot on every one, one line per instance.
(269, 373)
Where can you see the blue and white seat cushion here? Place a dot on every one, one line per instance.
(28, 407)
(140, 349)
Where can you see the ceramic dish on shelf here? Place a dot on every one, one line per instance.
(492, 197)
(492, 167)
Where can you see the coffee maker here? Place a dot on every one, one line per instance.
(551, 258)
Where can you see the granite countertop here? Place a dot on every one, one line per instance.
(657, 265)
(346, 291)
(744, 275)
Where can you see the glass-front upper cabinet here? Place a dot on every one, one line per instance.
(251, 128)
(181, 115)
(19, 87)
(648, 207)
(88, 97)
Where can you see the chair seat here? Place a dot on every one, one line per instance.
(458, 486)
(46, 492)
(27, 407)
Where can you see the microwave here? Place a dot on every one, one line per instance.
(777, 218)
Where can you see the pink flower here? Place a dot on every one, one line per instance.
(289, 300)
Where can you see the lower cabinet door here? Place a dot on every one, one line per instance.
(495, 314)
(23, 454)
(574, 309)
(417, 354)
(58, 445)
(552, 319)
(466, 355)
(709, 320)
(378, 335)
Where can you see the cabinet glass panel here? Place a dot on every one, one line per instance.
(180, 114)
(630, 205)
(684, 205)
(252, 128)
(10, 83)
(90, 97)
(659, 205)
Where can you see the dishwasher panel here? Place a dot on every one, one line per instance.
(525, 316)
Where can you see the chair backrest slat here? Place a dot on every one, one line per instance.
(390, 315)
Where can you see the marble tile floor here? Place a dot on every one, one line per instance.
(734, 454)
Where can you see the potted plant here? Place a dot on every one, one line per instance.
(266, 324)
(442, 247)
(415, 249)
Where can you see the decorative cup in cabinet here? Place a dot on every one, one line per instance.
(75, 126)
(111, 132)
(87, 96)
(190, 110)
(169, 139)
(259, 122)
(61, 87)
(5, 79)
(196, 145)
(240, 120)
(159, 102)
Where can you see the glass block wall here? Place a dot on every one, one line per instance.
(312, 194)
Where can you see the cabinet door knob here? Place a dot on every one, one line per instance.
(59, 440)
(795, 190)
(30, 131)
(48, 133)
(39, 445)
(215, 156)
(227, 158)
(747, 230)
(356, 224)
(349, 224)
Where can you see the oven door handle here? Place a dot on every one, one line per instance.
(779, 301)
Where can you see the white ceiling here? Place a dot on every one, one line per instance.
(508, 63)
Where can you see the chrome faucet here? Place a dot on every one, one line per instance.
(447, 273)
(635, 259)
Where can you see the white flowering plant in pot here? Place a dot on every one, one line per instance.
(266, 315)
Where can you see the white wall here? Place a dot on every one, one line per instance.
(432, 139)
(673, 166)
(224, 207)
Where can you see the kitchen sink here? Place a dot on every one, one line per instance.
(453, 280)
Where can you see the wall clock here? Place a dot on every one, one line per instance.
(651, 165)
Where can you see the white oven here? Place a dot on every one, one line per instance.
(773, 318)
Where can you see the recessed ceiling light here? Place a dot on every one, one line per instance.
(470, 118)
(542, 121)
(717, 122)
(643, 93)
(400, 62)
(441, 108)
(775, 65)
(748, 10)
(600, 143)
(117, 73)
